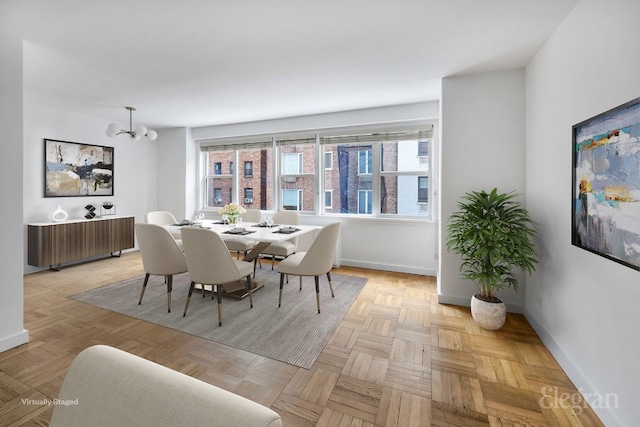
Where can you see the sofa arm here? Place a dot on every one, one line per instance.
(109, 387)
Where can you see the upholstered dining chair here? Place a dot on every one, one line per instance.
(287, 247)
(160, 218)
(209, 263)
(238, 244)
(314, 262)
(161, 255)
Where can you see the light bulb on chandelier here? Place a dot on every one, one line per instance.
(134, 133)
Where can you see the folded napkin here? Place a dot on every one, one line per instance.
(240, 231)
(287, 230)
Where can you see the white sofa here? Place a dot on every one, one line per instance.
(109, 387)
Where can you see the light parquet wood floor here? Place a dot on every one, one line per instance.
(397, 359)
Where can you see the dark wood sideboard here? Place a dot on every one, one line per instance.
(55, 243)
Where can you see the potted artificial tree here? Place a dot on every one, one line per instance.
(493, 234)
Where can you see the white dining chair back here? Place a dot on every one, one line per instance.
(286, 218)
(318, 260)
(252, 215)
(287, 247)
(160, 218)
(209, 263)
(161, 255)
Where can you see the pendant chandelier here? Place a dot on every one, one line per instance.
(134, 133)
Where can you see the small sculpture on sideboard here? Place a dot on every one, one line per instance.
(107, 208)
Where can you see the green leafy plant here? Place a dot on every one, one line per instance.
(494, 236)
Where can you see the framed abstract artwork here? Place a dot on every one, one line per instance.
(72, 169)
(606, 184)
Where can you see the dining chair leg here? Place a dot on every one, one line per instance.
(203, 292)
(169, 289)
(144, 286)
(281, 285)
(330, 285)
(219, 293)
(273, 261)
(300, 282)
(318, 292)
(250, 290)
(186, 306)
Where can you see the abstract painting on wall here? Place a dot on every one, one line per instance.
(606, 184)
(72, 169)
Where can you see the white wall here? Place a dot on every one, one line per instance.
(582, 305)
(483, 146)
(173, 170)
(135, 167)
(12, 332)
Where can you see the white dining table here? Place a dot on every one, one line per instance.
(262, 235)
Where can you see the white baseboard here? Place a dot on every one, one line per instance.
(388, 267)
(466, 302)
(12, 341)
(606, 415)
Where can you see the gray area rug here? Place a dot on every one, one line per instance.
(294, 333)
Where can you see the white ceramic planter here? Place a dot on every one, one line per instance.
(488, 315)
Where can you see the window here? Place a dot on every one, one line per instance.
(220, 187)
(292, 200)
(215, 182)
(423, 189)
(328, 199)
(423, 148)
(291, 163)
(328, 160)
(364, 162)
(376, 174)
(297, 176)
(400, 173)
(248, 168)
(364, 201)
(372, 174)
(348, 177)
(248, 196)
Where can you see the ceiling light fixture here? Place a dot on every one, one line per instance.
(114, 129)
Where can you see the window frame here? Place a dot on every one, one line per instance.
(323, 166)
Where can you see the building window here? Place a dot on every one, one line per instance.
(297, 178)
(217, 196)
(328, 160)
(423, 189)
(328, 199)
(248, 196)
(231, 168)
(292, 163)
(292, 200)
(248, 169)
(364, 162)
(217, 168)
(423, 148)
(364, 201)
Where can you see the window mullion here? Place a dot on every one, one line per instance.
(375, 179)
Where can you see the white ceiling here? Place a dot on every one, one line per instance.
(205, 62)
